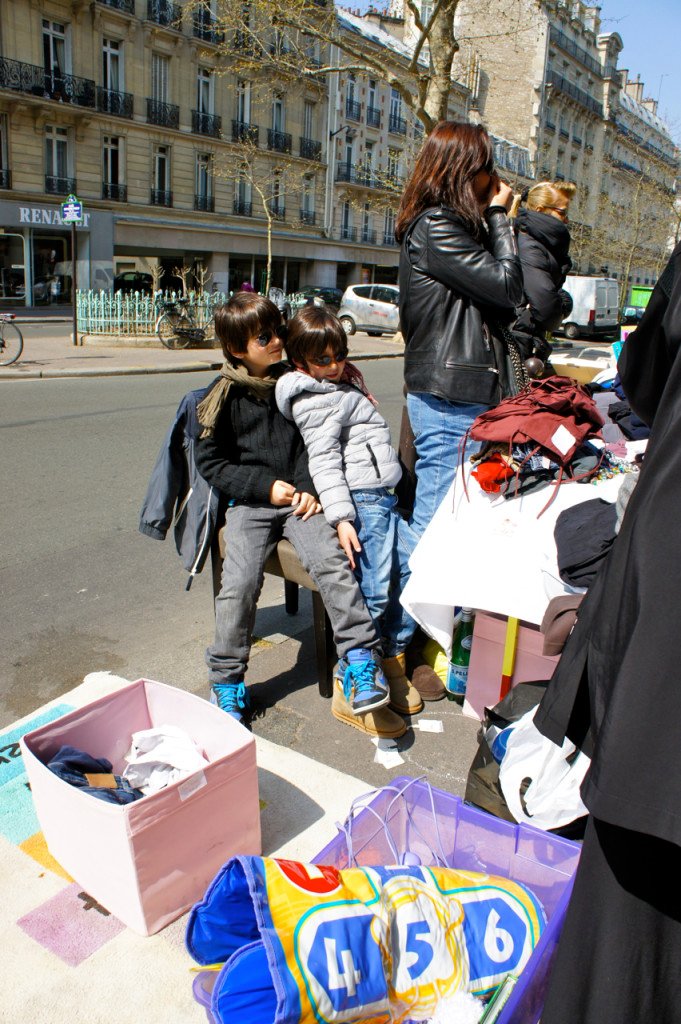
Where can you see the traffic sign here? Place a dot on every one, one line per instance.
(72, 210)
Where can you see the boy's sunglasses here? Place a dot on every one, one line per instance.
(340, 357)
(265, 337)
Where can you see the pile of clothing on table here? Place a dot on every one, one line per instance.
(543, 434)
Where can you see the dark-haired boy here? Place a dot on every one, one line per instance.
(256, 458)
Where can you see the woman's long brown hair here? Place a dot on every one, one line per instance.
(451, 156)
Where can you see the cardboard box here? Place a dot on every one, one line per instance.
(149, 861)
(487, 655)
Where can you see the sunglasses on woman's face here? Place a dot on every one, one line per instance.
(265, 337)
(340, 357)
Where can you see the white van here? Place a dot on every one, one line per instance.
(595, 305)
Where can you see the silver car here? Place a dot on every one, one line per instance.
(370, 307)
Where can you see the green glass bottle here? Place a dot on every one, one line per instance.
(457, 673)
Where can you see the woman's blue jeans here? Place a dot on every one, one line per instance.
(383, 565)
(438, 427)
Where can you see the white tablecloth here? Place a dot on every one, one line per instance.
(482, 551)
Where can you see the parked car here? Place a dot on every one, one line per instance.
(631, 315)
(370, 307)
(595, 307)
(133, 281)
(321, 295)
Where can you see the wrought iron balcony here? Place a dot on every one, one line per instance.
(120, 5)
(276, 210)
(242, 131)
(5, 178)
(165, 114)
(549, 126)
(564, 133)
(242, 208)
(348, 234)
(49, 85)
(570, 89)
(353, 110)
(59, 186)
(115, 191)
(389, 238)
(373, 117)
(397, 125)
(164, 12)
(161, 197)
(281, 141)
(368, 237)
(205, 203)
(111, 102)
(346, 172)
(307, 217)
(206, 124)
(310, 150)
(205, 28)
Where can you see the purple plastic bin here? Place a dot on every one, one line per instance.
(476, 841)
(202, 989)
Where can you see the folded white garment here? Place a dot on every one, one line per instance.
(160, 756)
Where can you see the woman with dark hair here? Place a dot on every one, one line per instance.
(459, 277)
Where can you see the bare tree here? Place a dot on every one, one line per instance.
(309, 37)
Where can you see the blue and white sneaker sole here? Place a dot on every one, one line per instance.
(379, 701)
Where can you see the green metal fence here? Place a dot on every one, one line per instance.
(135, 313)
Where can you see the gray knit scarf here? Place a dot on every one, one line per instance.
(209, 408)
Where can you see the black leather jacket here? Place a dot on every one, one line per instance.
(453, 291)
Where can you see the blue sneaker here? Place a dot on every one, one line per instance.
(364, 686)
(232, 698)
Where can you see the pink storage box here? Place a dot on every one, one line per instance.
(487, 656)
(149, 861)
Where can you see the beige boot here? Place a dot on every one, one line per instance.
(381, 722)
(403, 696)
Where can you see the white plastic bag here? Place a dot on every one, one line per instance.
(552, 798)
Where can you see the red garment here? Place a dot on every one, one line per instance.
(556, 413)
(492, 473)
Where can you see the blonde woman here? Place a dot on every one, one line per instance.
(540, 218)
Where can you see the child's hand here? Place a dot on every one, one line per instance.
(307, 505)
(347, 536)
(282, 493)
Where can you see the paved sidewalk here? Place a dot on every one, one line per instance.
(56, 356)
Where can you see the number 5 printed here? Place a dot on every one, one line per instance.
(421, 948)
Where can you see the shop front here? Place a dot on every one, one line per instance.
(36, 260)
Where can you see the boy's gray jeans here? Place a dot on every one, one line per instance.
(252, 533)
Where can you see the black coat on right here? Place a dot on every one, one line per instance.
(543, 243)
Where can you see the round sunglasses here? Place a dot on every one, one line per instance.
(265, 337)
(340, 357)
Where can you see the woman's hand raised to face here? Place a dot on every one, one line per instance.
(500, 194)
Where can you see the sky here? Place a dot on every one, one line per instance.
(651, 33)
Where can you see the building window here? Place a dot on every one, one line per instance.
(389, 228)
(113, 176)
(394, 163)
(112, 170)
(278, 114)
(350, 91)
(395, 104)
(366, 223)
(57, 152)
(277, 205)
(112, 65)
(426, 11)
(159, 77)
(346, 220)
(372, 99)
(161, 168)
(203, 197)
(54, 47)
(243, 191)
(204, 85)
(5, 181)
(307, 206)
(308, 120)
(243, 101)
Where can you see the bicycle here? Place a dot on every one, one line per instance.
(177, 326)
(11, 340)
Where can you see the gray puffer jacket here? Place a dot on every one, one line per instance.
(347, 440)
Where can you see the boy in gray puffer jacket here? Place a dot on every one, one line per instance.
(353, 466)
